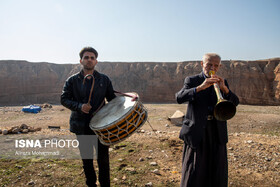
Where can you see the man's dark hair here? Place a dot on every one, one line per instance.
(88, 49)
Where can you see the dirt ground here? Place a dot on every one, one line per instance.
(151, 156)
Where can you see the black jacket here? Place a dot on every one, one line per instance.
(75, 93)
(200, 105)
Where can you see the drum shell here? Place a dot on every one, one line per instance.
(124, 127)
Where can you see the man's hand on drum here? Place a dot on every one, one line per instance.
(86, 108)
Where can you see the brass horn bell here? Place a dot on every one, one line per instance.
(224, 109)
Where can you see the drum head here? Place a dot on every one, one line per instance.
(112, 112)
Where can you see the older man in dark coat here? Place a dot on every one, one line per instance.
(204, 160)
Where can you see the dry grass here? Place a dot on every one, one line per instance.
(253, 150)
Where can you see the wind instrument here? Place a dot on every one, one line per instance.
(224, 109)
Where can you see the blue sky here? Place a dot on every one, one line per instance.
(139, 30)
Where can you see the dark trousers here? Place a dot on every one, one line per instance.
(86, 145)
(207, 165)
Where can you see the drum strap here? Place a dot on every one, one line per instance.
(101, 105)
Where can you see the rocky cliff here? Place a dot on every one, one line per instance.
(22, 82)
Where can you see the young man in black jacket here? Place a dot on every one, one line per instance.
(75, 96)
(205, 154)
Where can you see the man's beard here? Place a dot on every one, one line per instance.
(89, 68)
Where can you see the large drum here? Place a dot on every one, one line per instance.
(118, 119)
